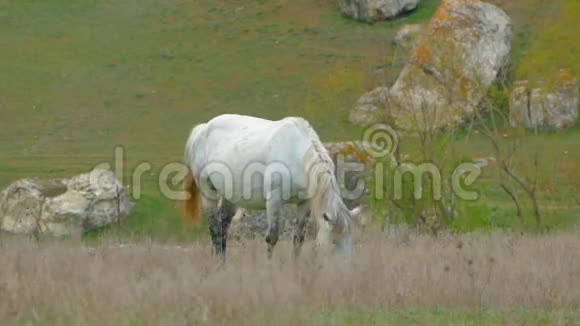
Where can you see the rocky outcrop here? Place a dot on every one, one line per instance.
(253, 224)
(354, 167)
(551, 106)
(376, 10)
(407, 36)
(456, 59)
(63, 207)
(370, 108)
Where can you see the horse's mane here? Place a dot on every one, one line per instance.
(317, 146)
(319, 164)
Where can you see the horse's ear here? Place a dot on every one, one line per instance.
(357, 216)
(356, 212)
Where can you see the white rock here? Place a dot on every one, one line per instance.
(63, 207)
(552, 106)
(376, 10)
(370, 107)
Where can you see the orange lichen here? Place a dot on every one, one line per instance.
(465, 86)
(442, 13)
(423, 54)
(352, 151)
(565, 77)
(445, 22)
(349, 148)
(562, 80)
(361, 157)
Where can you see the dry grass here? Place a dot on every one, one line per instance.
(63, 282)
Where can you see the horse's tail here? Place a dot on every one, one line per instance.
(192, 205)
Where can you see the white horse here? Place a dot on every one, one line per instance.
(238, 161)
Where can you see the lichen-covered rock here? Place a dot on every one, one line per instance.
(456, 59)
(354, 166)
(407, 36)
(253, 224)
(62, 207)
(370, 107)
(22, 202)
(376, 10)
(551, 106)
(519, 105)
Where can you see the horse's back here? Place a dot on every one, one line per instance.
(246, 138)
(245, 145)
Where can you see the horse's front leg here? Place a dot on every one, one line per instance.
(273, 207)
(324, 237)
(303, 213)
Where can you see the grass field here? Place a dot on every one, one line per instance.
(460, 280)
(78, 78)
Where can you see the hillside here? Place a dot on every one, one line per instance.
(79, 78)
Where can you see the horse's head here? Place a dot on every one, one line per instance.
(344, 219)
(339, 226)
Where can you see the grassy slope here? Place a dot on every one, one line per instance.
(80, 77)
(553, 40)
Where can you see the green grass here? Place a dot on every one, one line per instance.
(153, 216)
(80, 77)
(83, 76)
(554, 44)
(416, 317)
(448, 317)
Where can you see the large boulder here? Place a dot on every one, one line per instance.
(464, 47)
(63, 207)
(551, 106)
(253, 224)
(407, 36)
(376, 10)
(370, 107)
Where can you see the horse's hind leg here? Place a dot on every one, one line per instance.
(303, 213)
(219, 223)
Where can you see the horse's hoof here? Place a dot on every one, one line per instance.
(270, 252)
